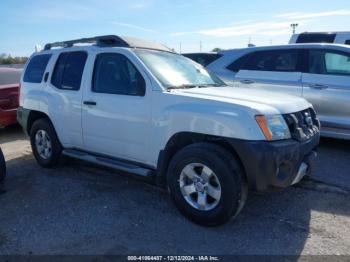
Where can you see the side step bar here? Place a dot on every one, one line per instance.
(108, 162)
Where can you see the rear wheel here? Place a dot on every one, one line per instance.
(45, 144)
(2, 167)
(206, 184)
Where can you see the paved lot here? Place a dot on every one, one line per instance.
(80, 209)
(9, 75)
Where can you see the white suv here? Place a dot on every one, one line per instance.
(138, 107)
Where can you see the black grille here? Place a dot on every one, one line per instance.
(303, 124)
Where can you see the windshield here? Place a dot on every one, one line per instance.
(177, 71)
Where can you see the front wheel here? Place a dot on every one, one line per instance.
(206, 184)
(45, 144)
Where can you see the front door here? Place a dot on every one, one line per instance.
(116, 109)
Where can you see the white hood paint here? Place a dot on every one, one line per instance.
(263, 101)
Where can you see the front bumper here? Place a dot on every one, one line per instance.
(276, 163)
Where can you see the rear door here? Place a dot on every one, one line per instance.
(326, 84)
(64, 89)
(116, 108)
(272, 70)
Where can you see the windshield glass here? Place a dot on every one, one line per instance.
(174, 70)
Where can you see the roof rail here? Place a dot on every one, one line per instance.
(106, 40)
(111, 41)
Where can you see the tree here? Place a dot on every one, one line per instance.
(9, 60)
(217, 49)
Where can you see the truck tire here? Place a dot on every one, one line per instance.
(207, 184)
(45, 144)
(2, 167)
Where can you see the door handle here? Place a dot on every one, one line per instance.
(318, 86)
(247, 81)
(90, 103)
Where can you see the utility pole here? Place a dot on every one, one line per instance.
(200, 46)
(293, 26)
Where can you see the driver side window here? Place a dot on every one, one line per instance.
(115, 74)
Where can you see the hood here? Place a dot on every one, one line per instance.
(265, 102)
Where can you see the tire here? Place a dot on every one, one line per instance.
(225, 177)
(2, 167)
(48, 153)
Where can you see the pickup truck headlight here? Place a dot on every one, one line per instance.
(274, 127)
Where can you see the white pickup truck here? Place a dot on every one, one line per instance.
(138, 107)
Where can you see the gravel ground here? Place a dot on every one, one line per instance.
(81, 209)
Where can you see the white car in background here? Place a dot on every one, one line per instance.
(318, 72)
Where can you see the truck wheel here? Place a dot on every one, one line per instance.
(206, 184)
(2, 167)
(45, 144)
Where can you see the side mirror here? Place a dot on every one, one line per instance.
(138, 85)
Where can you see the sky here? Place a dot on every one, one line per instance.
(186, 26)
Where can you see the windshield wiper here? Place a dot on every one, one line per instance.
(186, 86)
(211, 85)
(181, 87)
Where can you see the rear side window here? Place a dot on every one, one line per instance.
(36, 68)
(316, 38)
(347, 42)
(115, 74)
(238, 64)
(203, 59)
(274, 60)
(69, 70)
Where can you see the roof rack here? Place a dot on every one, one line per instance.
(110, 41)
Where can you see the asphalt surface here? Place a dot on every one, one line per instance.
(80, 209)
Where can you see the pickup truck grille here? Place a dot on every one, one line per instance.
(303, 124)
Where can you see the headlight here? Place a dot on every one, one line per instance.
(274, 127)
